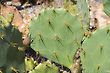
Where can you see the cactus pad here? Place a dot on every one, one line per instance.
(96, 50)
(11, 59)
(56, 34)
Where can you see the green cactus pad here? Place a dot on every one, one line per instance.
(56, 34)
(45, 68)
(106, 4)
(11, 59)
(96, 49)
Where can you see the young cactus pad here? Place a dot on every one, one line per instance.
(45, 67)
(96, 49)
(56, 34)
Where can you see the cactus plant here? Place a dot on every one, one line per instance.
(56, 34)
(11, 58)
(106, 4)
(96, 49)
(45, 67)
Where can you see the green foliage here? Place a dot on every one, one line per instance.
(106, 4)
(11, 59)
(45, 68)
(96, 50)
(56, 34)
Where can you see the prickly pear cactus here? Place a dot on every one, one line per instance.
(45, 68)
(96, 50)
(106, 4)
(56, 34)
(11, 59)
